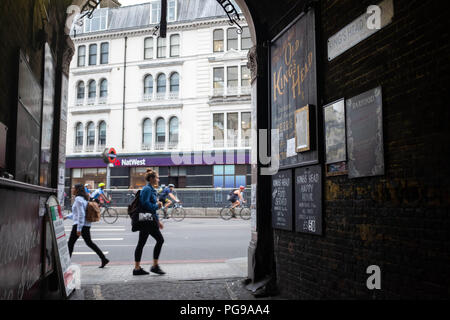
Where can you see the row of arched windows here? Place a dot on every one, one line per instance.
(161, 84)
(92, 89)
(89, 131)
(160, 133)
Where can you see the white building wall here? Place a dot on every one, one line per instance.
(193, 110)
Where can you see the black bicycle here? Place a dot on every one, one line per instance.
(227, 212)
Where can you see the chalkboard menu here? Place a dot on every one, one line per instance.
(308, 200)
(282, 200)
(293, 75)
(365, 134)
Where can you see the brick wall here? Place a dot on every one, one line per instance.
(399, 221)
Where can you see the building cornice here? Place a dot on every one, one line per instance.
(91, 111)
(148, 30)
(91, 71)
(242, 99)
(158, 64)
(159, 106)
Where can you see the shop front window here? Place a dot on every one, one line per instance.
(137, 176)
(91, 176)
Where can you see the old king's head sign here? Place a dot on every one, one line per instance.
(293, 87)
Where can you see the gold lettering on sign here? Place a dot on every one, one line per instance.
(292, 75)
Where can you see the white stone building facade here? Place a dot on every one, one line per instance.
(149, 97)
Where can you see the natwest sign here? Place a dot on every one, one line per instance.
(133, 162)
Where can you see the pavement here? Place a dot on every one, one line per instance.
(199, 259)
(182, 281)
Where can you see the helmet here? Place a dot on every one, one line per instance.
(86, 185)
(171, 186)
(101, 185)
(242, 187)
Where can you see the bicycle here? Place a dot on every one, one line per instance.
(244, 212)
(109, 214)
(175, 211)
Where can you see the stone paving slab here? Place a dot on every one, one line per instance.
(234, 268)
(219, 289)
(191, 281)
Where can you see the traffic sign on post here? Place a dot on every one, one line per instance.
(110, 156)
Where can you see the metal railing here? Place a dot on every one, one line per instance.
(190, 198)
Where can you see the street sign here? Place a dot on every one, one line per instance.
(112, 155)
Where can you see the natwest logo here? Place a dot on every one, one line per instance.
(133, 162)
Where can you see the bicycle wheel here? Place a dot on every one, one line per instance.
(226, 213)
(178, 214)
(110, 215)
(245, 213)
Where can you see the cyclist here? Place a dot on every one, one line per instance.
(236, 199)
(167, 198)
(161, 189)
(99, 194)
(86, 188)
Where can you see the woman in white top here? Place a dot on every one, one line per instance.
(81, 227)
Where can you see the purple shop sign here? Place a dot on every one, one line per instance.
(179, 160)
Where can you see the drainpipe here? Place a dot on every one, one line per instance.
(124, 90)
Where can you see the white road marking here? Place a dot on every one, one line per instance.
(95, 230)
(105, 239)
(88, 253)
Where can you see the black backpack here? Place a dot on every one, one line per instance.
(134, 205)
(231, 194)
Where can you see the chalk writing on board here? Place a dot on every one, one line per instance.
(282, 200)
(293, 86)
(308, 200)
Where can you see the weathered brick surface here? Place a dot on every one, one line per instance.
(399, 221)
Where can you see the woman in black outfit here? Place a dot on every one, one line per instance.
(149, 224)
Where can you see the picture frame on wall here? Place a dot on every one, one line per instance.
(335, 138)
(335, 134)
(302, 129)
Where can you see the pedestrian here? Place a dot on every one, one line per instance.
(149, 224)
(81, 227)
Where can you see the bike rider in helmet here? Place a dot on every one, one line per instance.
(236, 199)
(99, 194)
(167, 198)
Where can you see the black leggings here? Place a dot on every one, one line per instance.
(153, 230)
(86, 234)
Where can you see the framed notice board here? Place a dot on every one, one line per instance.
(308, 200)
(365, 134)
(293, 74)
(282, 200)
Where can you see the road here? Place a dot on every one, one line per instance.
(191, 240)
